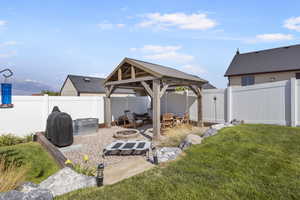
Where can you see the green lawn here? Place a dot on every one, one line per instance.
(32, 156)
(242, 162)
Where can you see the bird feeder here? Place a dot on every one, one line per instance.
(6, 90)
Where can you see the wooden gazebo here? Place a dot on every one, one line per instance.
(154, 80)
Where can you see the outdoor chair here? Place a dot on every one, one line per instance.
(186, 118)
(168, 120)
(144, 117)
(130, 121)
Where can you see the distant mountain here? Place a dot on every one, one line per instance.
(29, 87)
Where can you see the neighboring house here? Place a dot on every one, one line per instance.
(264, 66)
(208, 86)
(89, 86)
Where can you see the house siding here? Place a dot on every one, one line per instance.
(68, 89)
(264, 78)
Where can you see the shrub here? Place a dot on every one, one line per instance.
(10, 175)
(10, 139)
(82, 168)
(89, 171)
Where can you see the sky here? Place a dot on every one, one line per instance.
(44, 41)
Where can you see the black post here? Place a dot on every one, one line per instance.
(100, 175)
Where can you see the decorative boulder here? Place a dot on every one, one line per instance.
(210, 132)
(168, 153)
(190, 140)
(219, 126)
(27, 187)
(67, 180)
(27, 191)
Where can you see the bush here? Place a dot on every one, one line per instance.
(10, 175)
(89, 171)
(10, 139)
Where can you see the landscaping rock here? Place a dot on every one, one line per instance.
(168, 153)
(33, 194)
(190, 140)
(12, 195)
(237, 122)
(219, 126)
(210, 132)
(27, 187)
(67, 180)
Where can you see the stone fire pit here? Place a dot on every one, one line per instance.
(127, 134)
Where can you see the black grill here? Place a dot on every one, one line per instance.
(59, 129)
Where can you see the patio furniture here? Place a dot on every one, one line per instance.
(144, 117)
(132, 122)
(168, 120)
(186, 118)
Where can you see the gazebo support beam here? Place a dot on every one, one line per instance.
(198, 92)
(163, 90)
(108, 116)
(156, 109)
(147, 88)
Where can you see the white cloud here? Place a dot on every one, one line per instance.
(159, 48)
(8, 43)
(109, 26)
(120, 25)
(193, 69)
(195, 21)
(292, 23)
(171, 56)
(164, 53)
(3, 23)
(272, 37)
(8, 54)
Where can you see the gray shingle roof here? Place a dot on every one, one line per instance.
(167, 71)
(86, 84)
(208, 86)
(270, 60)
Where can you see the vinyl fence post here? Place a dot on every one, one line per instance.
(45, 110)
(294, 100)
(228, 104)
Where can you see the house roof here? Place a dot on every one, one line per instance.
(87, 84)
(159, 70)
(208, 86)
(270, 60)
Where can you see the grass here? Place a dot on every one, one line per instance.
(10, 175)
(32, 157)
(10, 139)
(242, 162)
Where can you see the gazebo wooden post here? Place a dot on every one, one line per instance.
(156, 108)
(198, 91)
(200, 107)
(108, 115)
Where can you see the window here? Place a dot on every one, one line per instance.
(297, 75)
(247, 80)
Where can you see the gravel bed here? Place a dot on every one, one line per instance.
(92, 145)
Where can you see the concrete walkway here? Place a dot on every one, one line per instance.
(125, 169)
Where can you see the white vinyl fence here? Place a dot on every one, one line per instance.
(134, 104)
(269, 103)
(30, 113)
